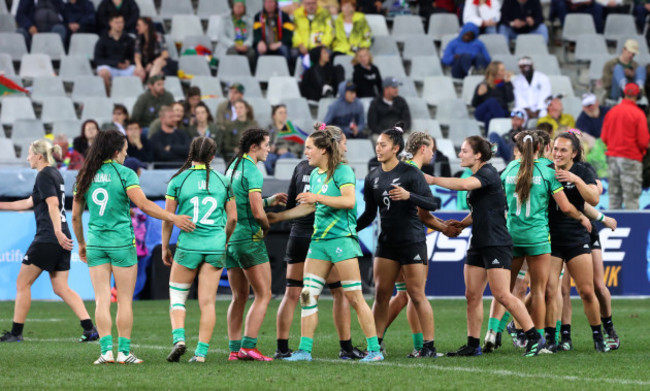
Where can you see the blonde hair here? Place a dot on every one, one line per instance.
(43, 147)
(415, 141)
(491, 73)
(356, 61)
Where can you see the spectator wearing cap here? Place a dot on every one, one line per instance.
(492, 95)
(388, 109)
(138, 144)
(238, 33)
(45, 16)
(313, 28)
(352, 31)
(114, 52)
(625, 132)
(127, 8)
(272, 31)
(506, 142)
(591, 119)
(321, 79)
(485, 14)
(366, 75)
(347, 112)
(170, 145)
(555, 116)
(522, 17)
(560, 8)
(226, 112)
(622, 70)
(531, 88)
(146, 108)
(465, 51)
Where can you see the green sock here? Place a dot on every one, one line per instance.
(503, 322)
(234, 345)
(248, 342)
(493, 323)
(124, 345)
(106, 343)
(558, 327)
(178, 335)
(541, 332)
(418, 341)
(373, 344)
(306, 344)
(201, 349)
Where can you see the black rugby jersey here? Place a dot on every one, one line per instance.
(303, 226)
(488, 207)
(49, 183)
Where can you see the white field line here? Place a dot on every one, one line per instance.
(29, 320)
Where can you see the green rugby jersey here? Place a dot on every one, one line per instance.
(244, 180)
(528, 224)
(330, 223)
(411, 162)
(110, 224)
(206, 206)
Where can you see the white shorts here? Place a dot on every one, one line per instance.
(116, 72)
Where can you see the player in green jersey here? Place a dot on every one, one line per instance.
(246, 258)
(204, 194)
(334, 242)
(106, 186)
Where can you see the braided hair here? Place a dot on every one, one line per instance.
(202, 150)
(415, 141)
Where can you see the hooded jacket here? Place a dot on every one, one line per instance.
(458, 46)
(359, 36)
(317, 76)
(313, 33)
(342, 113)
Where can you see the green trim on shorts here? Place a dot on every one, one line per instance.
(246, 254)
(538, 249)
(120, 257)
(334, 250)
(193, 259)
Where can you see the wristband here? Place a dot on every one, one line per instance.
(265, 202)
(601, 218)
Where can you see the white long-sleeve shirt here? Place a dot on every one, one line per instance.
(477, 14)
(531, 96)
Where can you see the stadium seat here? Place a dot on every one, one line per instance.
(27, 129)
(7, 23)
(262, 168)
(284, 168)
(384, 46)
(406, 26)
(346, 63)
(7, 151)
(451, 109)
(14, 108)
(361, 150)
(261, 109)
(171, 47)
(147, 8)
(323, 106)
(212, 104)
(7, 65)
(35, 65)
(215, 25)
(281, 88)
(3, 8)
(495, 43)
(57, 108)
(561, 85)
(306, 124)
(469, 86)
(19, 82)
(419, 46)
(441, 24)
(83, 44)
(445, 41)
(192, 41)
(418, 107)
(73, 66)
(576, 24)
(548, 65)
(88, 87)
(459, 129)
(251, 86)
(233, 66)
(209, 86)
(572, 105)
(500, 125)
(194, 65)
(46, 87)
(99, 109)
(377, 25)
(423, 66)
(528, 44)
(446, 146)
(13, 44)
(430, 126)
(390, 66)
(125, 87)
(596, 66)
(171, 8)
(588, 45)
(407, 88)
(48, 43)
(618, 26)
(71, 128)
(297, 108)
(268, 66)
(508, 60)
(253, 7)
(219, 165)
(437, 89)
(184, 25)
(360, 169)
(206, 8)
(173, 85)
(129, 103)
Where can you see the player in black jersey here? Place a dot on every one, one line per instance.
(569, 239)
(490, 254)
(299, 238)
(50, 249)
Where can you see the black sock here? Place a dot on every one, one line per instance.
(380, 340)
(428, 344)
(87, 324)
(283, 345)
(346, 345)
(532, 334)
(473, 342)
(565, 331)
(17, 329)
(549, 334)
(595, 331)
(608, 324)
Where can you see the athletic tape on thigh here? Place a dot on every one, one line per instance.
(400, 286)
(521, 275)
(351, 285)
(294, 283)
(178, 295)
(312, 287)
(334, 285)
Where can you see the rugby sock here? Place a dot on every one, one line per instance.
(124, 345)
(503, 322)
(106, 343)
(493, 323)
(473, 342)
(87, 324)
(549, 334)
(346, 345)
(234, 345)
(306, 344)
(418, 341)
(373, 344)
(558, 327)
(17, 329)
(595, 331)
(178, 335)
(428, 344)
(533, 335)
(541, 332)
(201, 349)
(248, 342)
(283, 345)
(565, 329)
(608, 324)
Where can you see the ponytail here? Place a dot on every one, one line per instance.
(325, 139)
(202, 150)
(415, 141)
(43, 147)
(528, 144)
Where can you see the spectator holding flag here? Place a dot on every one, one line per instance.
(287, 140)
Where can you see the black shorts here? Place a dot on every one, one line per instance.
(297, 248)
(409, 254)
(567, 253)
(48, 256)
(594, 238)
(493, 257)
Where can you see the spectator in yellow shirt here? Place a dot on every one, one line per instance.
(555, 117)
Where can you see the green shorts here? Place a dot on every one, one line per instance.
(334, 250)
(246, 254)
(122, 257)
(193, 259)
(539, 249)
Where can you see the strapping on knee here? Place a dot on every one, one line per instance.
(351, 285)
(178, 293)
(294, 283)
(312, 287)
(400, 286)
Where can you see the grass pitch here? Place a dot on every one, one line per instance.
(50, 357)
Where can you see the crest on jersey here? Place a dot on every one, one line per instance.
(324, 188)
(375, 184)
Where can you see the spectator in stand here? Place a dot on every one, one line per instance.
(465, 51)
(192, 100)
(89, 131)
(282, 147)
(531, 88)
(313, 28)
(114, 52)
(170, 145)
(151, 55)
(45, 16)
(331, 6)
(238, 33)
(351, 30)
(321, 78)
(146, 108)
(366, 76)
(591, 119)
(428, 7)
(522, 17)
(386, 110)
(615, 7)
(492, 96)
(371, 6)
(180, 122)
(560, 8)
(272, 31)
(439, 164)
(506, 142)
(226, 112)
(127, 8)
(204, 125)
(555, 116)
(120, 118)
(347, 112)
(138, 144)
(625, 132)
(622, 70)
(79, 17)
(70, 159)
(234, 129)
(641, 9)
(485, 14)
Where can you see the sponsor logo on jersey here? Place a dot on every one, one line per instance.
(417, 258)
(26, 258)
(339, 250)
(585, 246)
(395, 182)
(495, 262)
(62, 187)
(305, 178)
(596, 243)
